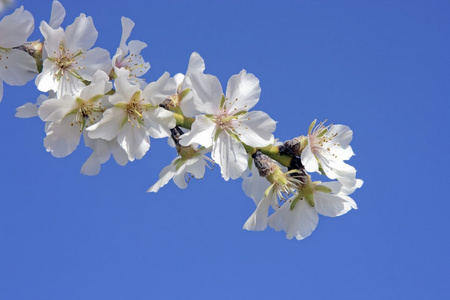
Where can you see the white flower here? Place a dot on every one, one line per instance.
(267, 192)
(136, 115)
(68, 62)
(298, 217)
(17, 67)
(69, 115)
(227, 123)
(128, 57)
(189, 163)
(327, 148)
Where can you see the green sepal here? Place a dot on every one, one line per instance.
(296, 199)
(323, 189)
(310, 199)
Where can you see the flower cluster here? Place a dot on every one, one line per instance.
(106, 101)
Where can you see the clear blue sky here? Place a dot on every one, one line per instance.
(380, 67)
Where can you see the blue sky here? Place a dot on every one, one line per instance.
(380, 67)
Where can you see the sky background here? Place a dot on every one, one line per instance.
(380, 67)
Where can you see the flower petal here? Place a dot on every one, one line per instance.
(230, 155)
(17, 67)
(81, 34)
(16, 28)
(332, 205)
(299, 222)
(201, 132)
(57, 15)
(208, 92)
(108, 127)
(255, 129)
(258, 220)
(62, 138)
(134, 140)
(243, 92)
(156, 92)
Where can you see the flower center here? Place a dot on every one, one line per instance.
(224, 120)
(87, 112)
(321, 140)
(65, 61)
(134, 109)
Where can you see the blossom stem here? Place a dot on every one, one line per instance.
(183, 121)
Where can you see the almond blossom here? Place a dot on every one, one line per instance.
(68, 63)
(128, 57)
(298, 217)
(69, 115)
(326, 150)
(227, 123)
(136, 115)
(267, 188)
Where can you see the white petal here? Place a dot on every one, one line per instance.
(255, 129)
(127, 27)
(81, 34)
(254, 186)
(62, 138)
(93, 60)
(17, 67)
(230, 155)
(309, 161)
(56, 109)
(201, 132)
(349, 190)
(52, 39)
(57, 15)
(208, 92)
(164, 177)
(331, 205)
(108, 127)
(243, 92)
(29, 110)
(135, 48)
(124, 90)
(156, 92)
(134, 140)
(299, 222)
(258, 220)
(187, 105)
(16, 28)
(337, 169)
(46, 80)
(99, 86)
(343, 134)
(196, 64)
(158, 122)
